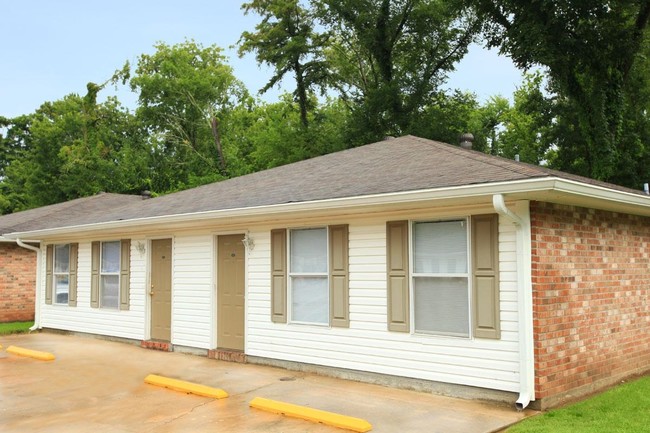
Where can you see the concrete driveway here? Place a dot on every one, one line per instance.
(97, 386)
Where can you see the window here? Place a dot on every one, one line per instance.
(61, 273)
(443, 277)
(308, 271)
(315, 270)
(440, 277)
(110, 275)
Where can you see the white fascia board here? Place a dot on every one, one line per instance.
(597, 193)
(516, 189)
(13, 240)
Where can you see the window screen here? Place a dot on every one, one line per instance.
(440, 277)
(61, 273)
(110, 274)
(309, 278)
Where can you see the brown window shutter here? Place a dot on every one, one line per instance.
(72, 288)
(338, 273)
(485, 272)
(125, 273)
(94, 275)
(397, 233)
(279, 276)
(49, 264)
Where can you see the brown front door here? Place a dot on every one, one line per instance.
(161, 289)
(230, 292)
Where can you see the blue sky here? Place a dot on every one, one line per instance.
(52, 48)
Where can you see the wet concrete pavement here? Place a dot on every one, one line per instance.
(98, 386)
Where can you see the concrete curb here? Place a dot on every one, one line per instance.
(183, 386)
(42, 356)
(310, 414)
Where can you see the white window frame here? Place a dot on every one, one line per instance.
(291, 275)
(102, 274)
(467, 275)
(55, 274)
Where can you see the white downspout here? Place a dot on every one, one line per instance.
(37, 294)
(524, 298)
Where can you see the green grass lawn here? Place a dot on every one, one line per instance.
(14, 327)
(623, 409)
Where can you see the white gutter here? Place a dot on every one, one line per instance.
(37, 295)
(521, 222)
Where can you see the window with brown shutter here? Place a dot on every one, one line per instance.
(110, 274)
(61, 274)
(441, 275)
(317, 270)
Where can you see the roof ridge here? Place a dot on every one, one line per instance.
(494, 160)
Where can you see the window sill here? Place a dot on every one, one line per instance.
(311, 324)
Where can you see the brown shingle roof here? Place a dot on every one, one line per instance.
(402, 164)
(64, 214)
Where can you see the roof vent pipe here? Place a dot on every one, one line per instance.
(146, 194)
(466, 140)
(646, 189)
(517, 158)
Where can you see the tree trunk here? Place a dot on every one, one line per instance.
(214, 124)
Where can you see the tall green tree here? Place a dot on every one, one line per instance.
(446, 116)
(389, 57)
(277, 137)
(186, 92)
(593, 52)
(71, 148)
(529, 125)
(286, 40)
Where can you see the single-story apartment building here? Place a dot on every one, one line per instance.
(407, 261)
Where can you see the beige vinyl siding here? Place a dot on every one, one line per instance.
(83, 318)
(367, 345)
(192, 290)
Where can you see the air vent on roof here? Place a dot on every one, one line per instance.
(646, 188)
(146, 194)
(466, 140)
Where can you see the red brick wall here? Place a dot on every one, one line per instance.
(591, 290)
(17, 283)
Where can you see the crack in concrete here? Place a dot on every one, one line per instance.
(188, 412)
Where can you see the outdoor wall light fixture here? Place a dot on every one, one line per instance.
(139, 246)
(248, 242)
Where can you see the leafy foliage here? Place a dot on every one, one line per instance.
(186, 92)
(286, 40)
(363, 69)
(388, 58)
(594, 53)
(68, 149)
